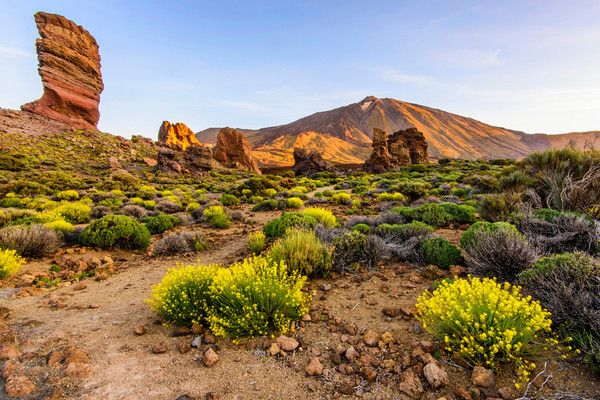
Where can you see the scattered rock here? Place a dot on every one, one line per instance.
(404, 147)
(139, 329)
(274, 349)
(390, 312)
(197, 329)
(159, 348)
(507, 393)
(197, 342)
(456, 270)
(80, 286)
(483, 377)
(209, 338)
(19, 386)
(287, 343)
(181, 331)
(314, 367)
(69, 65)
(78, 370)
(410, 384)
(351, 353)
(9, 351)
(371, 338)
(308, 163)
(210, 358)
(177, 136)
(436, 376)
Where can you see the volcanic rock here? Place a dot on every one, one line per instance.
(404, 147)
(410, 384)
(308, 163)
(483, 377)
(194, 160)
(435, 375)
(287, 343)
(177, 136)
(69, 65)
(234, 151)
(314, 367)
(19, 386)
(210, 358)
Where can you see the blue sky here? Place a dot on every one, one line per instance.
(526, 65)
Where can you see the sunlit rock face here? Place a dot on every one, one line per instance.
(234, 151)
(177, 136)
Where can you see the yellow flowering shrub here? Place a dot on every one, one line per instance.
(485, 322)
(10, 263)
(255, 297)
(182, 297)
(322, 215)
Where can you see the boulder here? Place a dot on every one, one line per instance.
(308, 163)
(233, 151)
(177, 136)
(403, 148)
(69, 65)
(193, 160)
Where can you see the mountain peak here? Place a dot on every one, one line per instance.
(368, 99)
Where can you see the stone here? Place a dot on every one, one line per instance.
(310, 162)
(210, 358)
(507, 393)
(410, 384)
(287, 343)
(69, 65)
(9, 351)
(139, 329)
(78, 370)
(456, 270)
(314, 367)
(80, 286)
(390, 312)
(159, 348)
(197, 329)
(463, 394)
(197, 341)
(371, 338)
(75, 355)
(402, 148)
(19, 386)
(274, 349)
(56, 357)
(436, 376)
(181, 331)
(177, 136)
(209, 338)
(233, 151)
(193, 160)
(351, 353)
(483, 377)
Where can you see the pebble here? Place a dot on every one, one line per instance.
(483, 377)
(159, 348)
(139, 329)
(371, 338)
(287, 343)
(19, 386)
(210, 358)
(197, 342)
(314, 367)
(436, 376)
(410, 384)
(274, 349)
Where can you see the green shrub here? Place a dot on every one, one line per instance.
(354, 250)
(322, 215)
(459, 213)
(499, 207)
(68, 195)
(10, 263)
(468, 236)
(257, 242)
(362, 228)
(434, 215)
(183, 296)
(34, 241)
(254, 298)
(302, 252)
(403, 232)
(440, 252)
(294, 202)
(217, 217)
(75, 213)
(229, 200)
(161, 222)
(278, 226)
(117, 231)
(180, 243)
(341, 198)
(391, 197)
(266, 205)
(60, 225)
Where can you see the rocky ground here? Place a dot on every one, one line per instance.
(97, 339)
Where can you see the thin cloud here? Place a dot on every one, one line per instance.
(470, 58)
(15, 51)
(393, 75)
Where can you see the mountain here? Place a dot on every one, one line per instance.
(344, 134)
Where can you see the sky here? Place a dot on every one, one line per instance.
(526, 65)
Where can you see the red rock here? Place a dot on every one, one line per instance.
(177, 136)
(410, 384)
(371, 338)
(314, 367)
(69, 65)
(436, 376)
(9, 351)
(483, 377)
(287, 343)
(210, 358)
(78, 370)
(308, 163)
(233, 151)
(401, 148)
(19, 386)
(139, 329)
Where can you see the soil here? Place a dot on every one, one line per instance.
(100, 319)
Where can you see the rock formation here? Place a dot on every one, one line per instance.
(177, 136)
(404, 147)
(233, 151)
(69, 65)
(308, 163)
(193, 160)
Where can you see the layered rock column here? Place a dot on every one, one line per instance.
(234, 151)
(69, 65)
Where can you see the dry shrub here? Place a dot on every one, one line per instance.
(34, 241)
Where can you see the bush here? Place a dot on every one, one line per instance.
(183, 297)
(60, 225)
(302, 252)
(440, 252)
(180, 243)
(134, 211)
(459, 213)
(501, 253)
(168, 206)
(468, 236)
(485, 322)
(256, 242)
(322, 215)
(294, 202)
(361, 228)
(68, 195)
(402, 232)
(277, 227)
(100, 211)
(117, 231)
(355, 249)
(568, 286)
(391, 197)
(75, 213)
(10, 263)
(341, 198)
(499, 207)
(161, 222)
(266, 205)
(34, 241)
(217, 217)
(229, 200)
(255, 297)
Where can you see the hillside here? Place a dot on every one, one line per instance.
(349, 129)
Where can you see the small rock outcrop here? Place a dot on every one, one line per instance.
(193, 160)
(69, 65)
(177, 136)
(234, 151)
(308, 163)
(404, 147)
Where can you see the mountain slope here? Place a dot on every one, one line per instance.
(447, 134)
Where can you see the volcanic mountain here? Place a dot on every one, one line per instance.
(343, 135)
